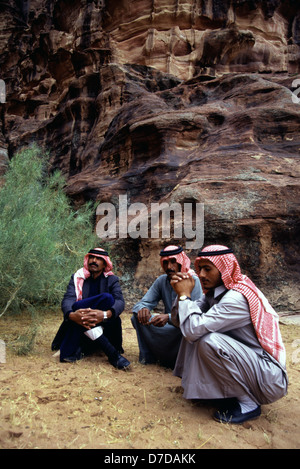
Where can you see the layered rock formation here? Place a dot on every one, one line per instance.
(186, 101)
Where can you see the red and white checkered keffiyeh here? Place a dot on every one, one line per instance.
(265, 320)
(82, 274)
(181, 259)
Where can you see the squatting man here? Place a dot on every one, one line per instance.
(157, 337)
(232, 349)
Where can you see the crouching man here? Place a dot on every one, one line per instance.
(232, 348)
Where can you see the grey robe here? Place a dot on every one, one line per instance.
(220, 356)
(160, 344)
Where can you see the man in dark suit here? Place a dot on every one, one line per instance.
(92, 306)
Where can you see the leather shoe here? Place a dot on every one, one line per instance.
(235, 415)
(121, 363)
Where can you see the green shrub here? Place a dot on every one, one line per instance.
(42, 238)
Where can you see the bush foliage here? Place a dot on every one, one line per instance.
(43, 239)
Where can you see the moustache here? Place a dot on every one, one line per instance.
(170, 271)
(93, 263)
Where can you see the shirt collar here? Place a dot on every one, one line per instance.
(219, 290)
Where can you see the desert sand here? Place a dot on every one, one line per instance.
(46, 404)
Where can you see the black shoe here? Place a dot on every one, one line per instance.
(234, 415)
(121, 363)
(70, 360)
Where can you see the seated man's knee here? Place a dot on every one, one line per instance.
(134, 319)
(106, 300)
(209, 343)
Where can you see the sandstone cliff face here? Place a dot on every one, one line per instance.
(167, 101)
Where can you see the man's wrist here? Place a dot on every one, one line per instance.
(184, 297)
(107, 315)
(69, 315)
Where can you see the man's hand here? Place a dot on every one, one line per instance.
(144, 315)
(88, 317)
(183, 284)
(159, 320)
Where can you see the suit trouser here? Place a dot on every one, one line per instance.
(75, 344)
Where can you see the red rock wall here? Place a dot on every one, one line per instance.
(175, 101)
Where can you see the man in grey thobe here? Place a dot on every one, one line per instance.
(158, 338)
(220, 356)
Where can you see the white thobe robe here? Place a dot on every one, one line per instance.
(220, 356)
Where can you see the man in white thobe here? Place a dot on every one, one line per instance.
(232, 348)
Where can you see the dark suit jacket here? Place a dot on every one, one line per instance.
(108, 284)
(113, 329)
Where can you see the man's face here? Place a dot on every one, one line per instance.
(209, 275)
(96, 265)
(171, 267)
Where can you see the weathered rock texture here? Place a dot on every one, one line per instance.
(175, 101)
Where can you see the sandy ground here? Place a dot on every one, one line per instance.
(50, 405)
